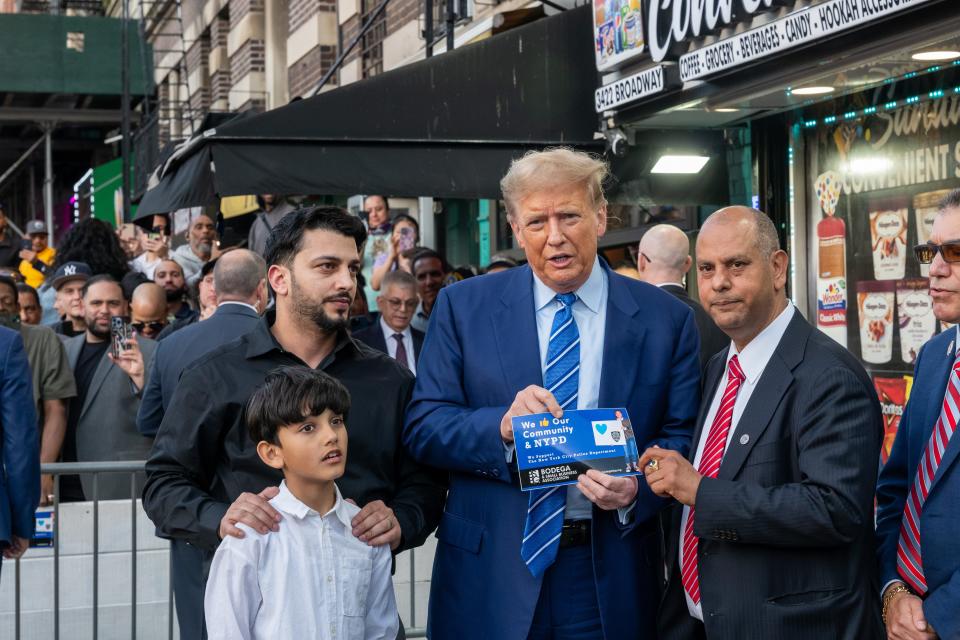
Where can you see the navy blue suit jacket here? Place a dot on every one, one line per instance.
(940, 517)
(19, 446)
(180, 349)
(481, 349)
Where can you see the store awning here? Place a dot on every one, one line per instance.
(447, 126)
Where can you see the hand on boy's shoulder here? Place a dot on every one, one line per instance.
(253, 510)
(376, 524)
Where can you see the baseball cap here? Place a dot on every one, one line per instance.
(71, 271)
(501, 260)
(36, 226)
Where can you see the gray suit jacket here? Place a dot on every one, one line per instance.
(107, 428)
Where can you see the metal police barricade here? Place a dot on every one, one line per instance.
(132, 469)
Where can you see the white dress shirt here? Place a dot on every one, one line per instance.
(310, 579)
(388, 333)
(242, 304)
(590, 314)
(753, 360)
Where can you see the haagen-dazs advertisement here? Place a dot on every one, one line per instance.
(874, 185)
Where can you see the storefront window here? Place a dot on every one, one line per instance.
(873, 186)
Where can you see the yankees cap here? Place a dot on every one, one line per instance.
(71, 271)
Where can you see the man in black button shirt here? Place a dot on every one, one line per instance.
(203, 459)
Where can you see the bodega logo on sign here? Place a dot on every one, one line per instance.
(671, 24)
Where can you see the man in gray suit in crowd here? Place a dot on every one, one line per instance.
(102, 424)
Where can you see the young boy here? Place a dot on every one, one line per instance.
(312, 578)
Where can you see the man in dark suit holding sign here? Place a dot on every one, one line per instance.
(773, 538)
(563, 332)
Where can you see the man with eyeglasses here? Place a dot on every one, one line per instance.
(393, 334)
(918, 492)
(148, 310)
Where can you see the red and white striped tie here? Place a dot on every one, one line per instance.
(909, 558)
(710, 467)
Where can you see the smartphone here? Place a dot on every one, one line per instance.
(26, 244)
(119, 334)
(407, 239)
(42, 527)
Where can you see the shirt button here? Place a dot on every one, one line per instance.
(329, 578)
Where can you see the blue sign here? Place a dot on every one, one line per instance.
(554, 451)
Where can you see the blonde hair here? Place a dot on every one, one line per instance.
(552, 168)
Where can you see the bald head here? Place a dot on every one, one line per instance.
(148, 309)
(239, 276)
(664, 255)
(748, 221)
(741, 273)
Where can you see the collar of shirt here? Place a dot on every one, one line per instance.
(288, 503)
(956, 343)
(755, 356)
(389, 331)
(590, 292)
(242, 304)
(260, 341)
(670, 284)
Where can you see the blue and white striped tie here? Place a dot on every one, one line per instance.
(541, 533)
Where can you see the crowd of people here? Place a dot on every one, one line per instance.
(331, 394)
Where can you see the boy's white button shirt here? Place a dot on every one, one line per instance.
(310, 579)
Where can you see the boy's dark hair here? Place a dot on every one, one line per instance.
(103, 277)
(290, 394)
(286, 239)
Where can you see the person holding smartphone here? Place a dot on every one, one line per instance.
(156, 245)
(405, 238)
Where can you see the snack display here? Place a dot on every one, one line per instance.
(831, 260)
(914, 316)
(925, 207)
(893, 394)
(875, 302)
(888, 235)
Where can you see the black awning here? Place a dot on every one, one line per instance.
(446, 127)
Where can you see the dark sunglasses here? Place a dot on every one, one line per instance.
(949, 251)
(153, 326)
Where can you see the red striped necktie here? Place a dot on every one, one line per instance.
(909, 557)
(709, 467)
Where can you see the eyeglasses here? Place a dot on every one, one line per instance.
(153, 326)
(396, 303)
(646, 257)
(949, 251)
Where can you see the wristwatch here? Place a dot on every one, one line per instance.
(888, 595)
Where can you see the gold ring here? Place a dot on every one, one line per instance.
(653, 465)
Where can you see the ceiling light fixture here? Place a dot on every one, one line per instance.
(812, 91)
(680, 164)
(726, 110)
(935, 56)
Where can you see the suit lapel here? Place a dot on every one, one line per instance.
(774, 381)
(776, 378)
(99, 376)
(518, 346)
(936, 403)
(623, 334)
(715, 371)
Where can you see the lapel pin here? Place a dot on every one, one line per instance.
(950, 349)
(744, 439)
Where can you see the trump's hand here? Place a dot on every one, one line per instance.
(606, 491)
(533, 399)
(672, 476)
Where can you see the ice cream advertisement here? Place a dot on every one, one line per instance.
(875, 303)
(914, 317)
(831, 259)
(888, 233)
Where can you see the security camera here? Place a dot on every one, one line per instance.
(617, 142)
